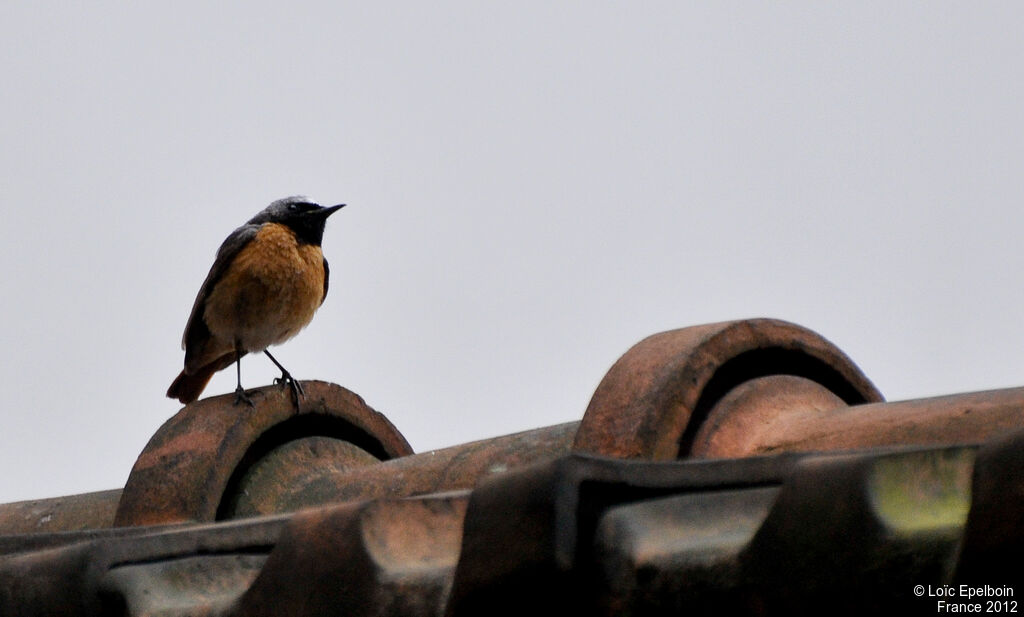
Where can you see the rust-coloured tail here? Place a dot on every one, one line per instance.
(188, 386)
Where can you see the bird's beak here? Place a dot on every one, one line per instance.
(326, 212)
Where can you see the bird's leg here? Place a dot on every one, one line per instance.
(286, 378)
(240, 395)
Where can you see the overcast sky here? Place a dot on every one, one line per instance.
(532, 188)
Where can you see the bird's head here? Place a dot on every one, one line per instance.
(304, 216)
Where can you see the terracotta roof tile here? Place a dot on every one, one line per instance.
(743, 467)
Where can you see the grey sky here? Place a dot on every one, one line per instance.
(532, 188)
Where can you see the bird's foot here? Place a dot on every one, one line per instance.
(242, 397)
(296, 387)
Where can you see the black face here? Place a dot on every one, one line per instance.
(297, 208)
(305, 218)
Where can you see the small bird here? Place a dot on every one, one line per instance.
(268, 279)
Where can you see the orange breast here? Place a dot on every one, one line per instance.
(270, 291)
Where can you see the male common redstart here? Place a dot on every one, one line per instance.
(268, 279)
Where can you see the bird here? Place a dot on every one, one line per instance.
(268, 279)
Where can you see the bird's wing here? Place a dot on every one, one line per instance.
(327, 281)
(195, 330)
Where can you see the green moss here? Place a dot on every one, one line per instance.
(920, 491)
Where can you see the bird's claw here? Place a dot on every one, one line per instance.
(242, 397)
(296, 387)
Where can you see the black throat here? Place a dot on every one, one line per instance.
(308, 229)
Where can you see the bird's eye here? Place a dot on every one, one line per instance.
(293, 207)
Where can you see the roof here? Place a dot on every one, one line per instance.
(744, 467)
